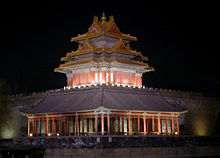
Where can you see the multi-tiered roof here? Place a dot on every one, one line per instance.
(104, 46)
(102, 78)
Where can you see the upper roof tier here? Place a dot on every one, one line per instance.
(103, 27)
(87, 47)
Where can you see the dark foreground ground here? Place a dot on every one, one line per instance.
(111, 147)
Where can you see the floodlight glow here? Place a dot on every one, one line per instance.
(125, 81)
(107, 77)
(111, 77)
(100, 77)
(96, 77)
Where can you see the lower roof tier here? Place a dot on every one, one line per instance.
(108, 98)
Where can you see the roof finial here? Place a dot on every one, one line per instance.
(103, 17)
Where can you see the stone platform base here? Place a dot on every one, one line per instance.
(153, 152)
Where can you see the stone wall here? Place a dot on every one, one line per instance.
(200, 120)
(203, 110)
(146, 152)
(115, 141)
(114, 146)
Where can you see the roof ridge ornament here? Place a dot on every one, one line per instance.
(103, 18)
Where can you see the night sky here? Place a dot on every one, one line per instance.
(177, 38)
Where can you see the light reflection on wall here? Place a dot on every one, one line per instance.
(15, 127)
(7, 133)
(200, 124)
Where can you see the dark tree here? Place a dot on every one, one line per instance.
(4, 104)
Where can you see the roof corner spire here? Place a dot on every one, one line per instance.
(103, 18)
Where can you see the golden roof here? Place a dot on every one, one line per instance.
(99, 28)
(118, 47)
(128, 62)
(103, 27)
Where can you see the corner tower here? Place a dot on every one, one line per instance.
(104, 56)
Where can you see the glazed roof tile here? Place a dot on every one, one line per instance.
(99, 28)
(110, 97)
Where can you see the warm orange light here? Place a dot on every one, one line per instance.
(125, 81)
(116, 77)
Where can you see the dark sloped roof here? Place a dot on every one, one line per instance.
(110, 97)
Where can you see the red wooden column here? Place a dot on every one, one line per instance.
(113, 125)
(83, 118)
(104, 76)
(172, 125)
(50, 127)
(141, 124)
(128, 126)
(144, 120)
(108, 123)
(153, 130)
(93, 125)
(54, 126)
(77, 124)
(35, 126)
(102, 124)
(66, 126)
(133, 129)
(46, 126)
(138, 124)
(39, 126)
(29, 125)
(114, 77)
(67, 122)
(147, 125)
(87, 123)
(96, 124)
(177, 125)
(166, 125)
(60, 125)
(158, 128)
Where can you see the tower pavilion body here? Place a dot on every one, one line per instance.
(104, 93)
(104, 57)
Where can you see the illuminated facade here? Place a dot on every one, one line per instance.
(104, 93)
(104, 56)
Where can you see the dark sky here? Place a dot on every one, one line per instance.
(177, 38)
